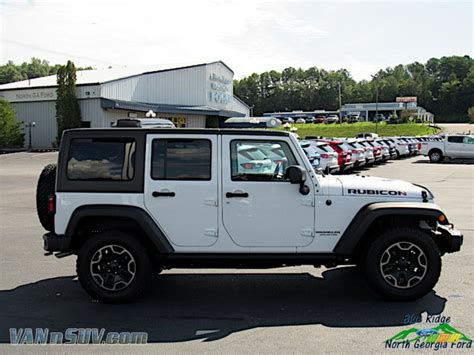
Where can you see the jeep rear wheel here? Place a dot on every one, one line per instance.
(113, 267)
(403, 264)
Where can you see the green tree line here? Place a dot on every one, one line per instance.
(444, 86)
(36, 68)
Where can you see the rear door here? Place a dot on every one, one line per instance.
(181, 187)
(454, 146)
(260, 207)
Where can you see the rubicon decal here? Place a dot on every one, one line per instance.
(376, 192)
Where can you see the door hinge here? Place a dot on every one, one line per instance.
(308, 202)
(210, 232)
(307, 233)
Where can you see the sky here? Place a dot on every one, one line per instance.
(249, 36)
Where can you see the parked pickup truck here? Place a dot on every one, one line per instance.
(452, 146)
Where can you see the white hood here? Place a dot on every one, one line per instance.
(367, 186)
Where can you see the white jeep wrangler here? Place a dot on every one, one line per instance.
(130, 202)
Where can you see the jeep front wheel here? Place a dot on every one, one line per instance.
(113, 267)
(403, 264)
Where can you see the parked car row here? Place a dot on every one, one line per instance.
(342, 155)
(306, 119)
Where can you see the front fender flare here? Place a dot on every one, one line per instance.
(370, 213)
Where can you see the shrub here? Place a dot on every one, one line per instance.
(11, 134)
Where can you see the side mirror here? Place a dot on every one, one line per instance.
(297, 175)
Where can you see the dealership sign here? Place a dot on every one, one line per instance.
(220, 89)
(406, 99)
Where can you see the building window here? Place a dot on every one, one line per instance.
(181, 159)
(101, 159)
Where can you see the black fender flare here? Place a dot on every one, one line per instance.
(137, 214)
(369, 213)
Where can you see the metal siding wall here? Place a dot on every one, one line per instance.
(240, 107)
(91, 111)
(195, 121)
(175, 87)
(44, 115)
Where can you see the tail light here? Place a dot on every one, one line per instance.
(324, 155)
(355, 151)
(419, 146)
(248, 165)
(51, 205)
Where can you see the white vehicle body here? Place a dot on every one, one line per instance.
(400, 146)
(215, 223)
(452, 146)
(328, 157)
(358, 157)
(131, 202)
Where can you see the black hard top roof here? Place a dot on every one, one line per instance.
(210, 131)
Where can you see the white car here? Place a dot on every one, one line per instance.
(332, 119)
(328, 157)
(358, 152)
(452, 146)
(401, 147)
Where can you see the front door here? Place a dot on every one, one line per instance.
(260, 207)
(181, 187)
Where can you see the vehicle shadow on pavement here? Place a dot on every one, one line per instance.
(448, 162)
(182, 307)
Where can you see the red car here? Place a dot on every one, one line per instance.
(319, 119)
(344, 156)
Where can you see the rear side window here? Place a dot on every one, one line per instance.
(455, 139)
(96, 159)
(181, 159)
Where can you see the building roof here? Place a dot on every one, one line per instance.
(96, 76)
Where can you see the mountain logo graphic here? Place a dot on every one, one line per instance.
(443, 333)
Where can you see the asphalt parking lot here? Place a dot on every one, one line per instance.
(287, 310)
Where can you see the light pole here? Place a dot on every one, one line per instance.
(340, 102)
(376, 107)
(30, 126)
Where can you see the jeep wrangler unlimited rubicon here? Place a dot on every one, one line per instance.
(130, 202)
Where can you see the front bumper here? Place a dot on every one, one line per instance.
(54, 242)
(452, 238)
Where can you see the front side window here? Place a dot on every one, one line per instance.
(468, 140)
(181, 159)
(260, 160)
(455, 139)
(97, 159)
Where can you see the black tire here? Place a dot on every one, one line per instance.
(140, 258)
(383, 248)
(436, 156)
(44, 190)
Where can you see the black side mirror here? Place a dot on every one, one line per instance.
(297, 175)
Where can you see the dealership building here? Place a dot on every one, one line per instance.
(367, 111)
(194, 96)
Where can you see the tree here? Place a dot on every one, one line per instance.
(11, 134)
(68, 112)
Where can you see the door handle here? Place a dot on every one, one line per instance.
(236, 194)
(158, 194)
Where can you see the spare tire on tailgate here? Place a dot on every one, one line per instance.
(44, 190)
